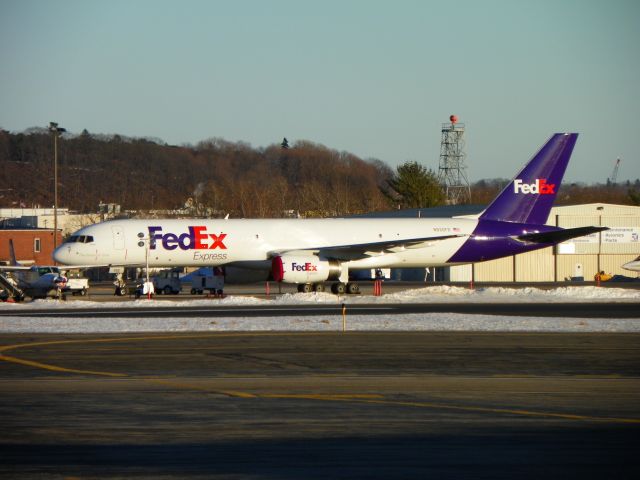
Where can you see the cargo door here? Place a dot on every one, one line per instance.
(118, 238)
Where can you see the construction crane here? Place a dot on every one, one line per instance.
(614, 175)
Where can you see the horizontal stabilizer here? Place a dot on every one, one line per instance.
(559, 236)
(14, 268)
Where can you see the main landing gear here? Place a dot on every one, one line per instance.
(338, 288)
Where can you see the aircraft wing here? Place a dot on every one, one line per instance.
(362, 250)
(12, 268)
(62, 268)
(84, 267)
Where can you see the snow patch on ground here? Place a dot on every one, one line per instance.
(437, 294)
(408, 322)
(418, 322)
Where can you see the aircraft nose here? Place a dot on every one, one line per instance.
(62, 254)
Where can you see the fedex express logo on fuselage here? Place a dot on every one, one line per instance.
(196, 238)
(539, 187)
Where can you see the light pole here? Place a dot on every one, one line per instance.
(56, 130)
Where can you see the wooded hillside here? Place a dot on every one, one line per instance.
(225, 177)
(218, 177)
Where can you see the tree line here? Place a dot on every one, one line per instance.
(144, 174)
(217, 177)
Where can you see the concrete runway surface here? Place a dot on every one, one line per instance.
(320, 405)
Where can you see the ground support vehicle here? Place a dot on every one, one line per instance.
(214, 284)
(167, 282)
(76, 286)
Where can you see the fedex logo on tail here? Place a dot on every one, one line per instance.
(196, 238)
(305, 267)
(539, 187)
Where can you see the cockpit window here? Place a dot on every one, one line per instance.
(80, 239)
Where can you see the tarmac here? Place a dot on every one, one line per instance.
(320, 405)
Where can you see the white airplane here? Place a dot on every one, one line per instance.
(35, 281)
(633, 265)
(311, 251)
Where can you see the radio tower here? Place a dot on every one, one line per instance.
(452, 172)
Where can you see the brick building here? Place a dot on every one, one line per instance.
(31, 245)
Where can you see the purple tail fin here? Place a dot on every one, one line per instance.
(530, 195)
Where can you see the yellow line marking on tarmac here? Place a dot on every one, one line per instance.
(190, 386)
(239, 394)
(528, 413)
(323, 396)
(54, 368)
(129, 339)
(359, 398)
(380, 400)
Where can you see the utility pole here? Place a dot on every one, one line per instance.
(56, 130)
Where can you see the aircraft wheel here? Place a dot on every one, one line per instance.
(353, 288)
(338, 288)
(318, 287)
(305, 287)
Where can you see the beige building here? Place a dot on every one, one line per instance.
(579, 257)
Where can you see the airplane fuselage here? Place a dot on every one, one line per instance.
(36, 281)
(38, 275)
(197, 243)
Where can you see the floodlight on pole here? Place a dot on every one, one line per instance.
(56, 130)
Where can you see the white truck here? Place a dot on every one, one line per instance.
(76, 284)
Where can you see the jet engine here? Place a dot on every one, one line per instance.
(304, 269)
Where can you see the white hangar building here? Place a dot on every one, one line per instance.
(580, 257)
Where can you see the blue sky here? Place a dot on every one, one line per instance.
(375, 78)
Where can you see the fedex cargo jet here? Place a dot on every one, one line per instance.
(312, 251)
